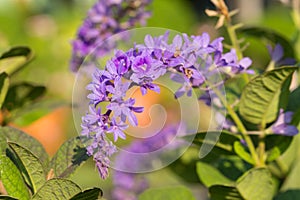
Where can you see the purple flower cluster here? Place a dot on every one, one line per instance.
(104, 19)
(191, 61)
(129, 185)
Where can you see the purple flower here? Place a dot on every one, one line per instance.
(102, 168)
(144, 67)
(230, 60)
(125, 110)
(101, 149)
(153, 43)
(186, 85)
(98, 87)
(282, 125)
(105, 18)
(148, 85)
(117, 129)
(94, 123)
(94, 115)
(276, 54)
(210, 98)
(121, 62)
(118, 90)
(200, 45)
(226, 123)
(175, 46)
(189, 78)
(98, 93)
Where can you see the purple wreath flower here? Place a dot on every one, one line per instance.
(190, 61)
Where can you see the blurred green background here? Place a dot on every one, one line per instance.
(48, 27)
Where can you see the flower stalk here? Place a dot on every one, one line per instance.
(241, 129)
(225, 19)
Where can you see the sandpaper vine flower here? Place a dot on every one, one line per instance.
(190, 61)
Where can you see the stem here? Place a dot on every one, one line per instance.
(261, 148)
(241, 128)
(246, 137)
(235, 44)
(234, 41)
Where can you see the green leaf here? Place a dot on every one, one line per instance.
(3, 144)
(232, 166)
(89, 194)
(241, 151)
(260, 100)
(292, 181)
(271, 36)
(276, 145)
(167, 193)
(4, 84)
(32, 112)
(14, 135)
(288, 195)
(218, 143)
(20, 94)
(16, 51)
(294, 105)
(4, 197)
(290, 162)
(15, 58)
(211, 176)
(296, 118)
(185, 166)
(221, 192)
(69, 156)
(33, 169)
(12, 179)
(57, 188)
(256, 183)
(234, 88)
